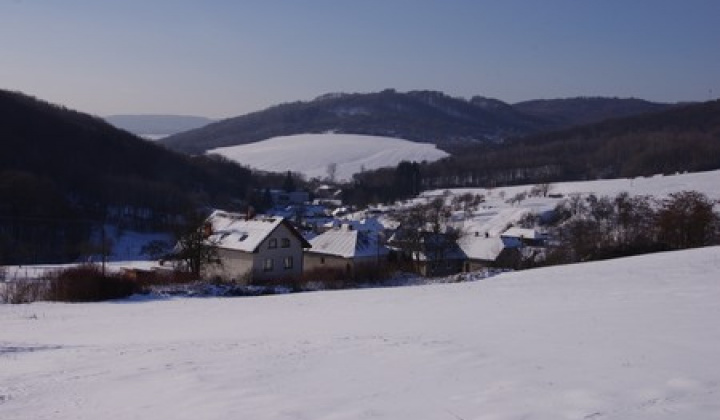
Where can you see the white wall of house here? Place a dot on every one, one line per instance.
(283, 248)
(235, 266)
(315, 260)
(279, 255)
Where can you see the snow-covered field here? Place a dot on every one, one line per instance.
(634, 338)
(310, 154)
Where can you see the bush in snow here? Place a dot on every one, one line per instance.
(21, 291)
(88, 283)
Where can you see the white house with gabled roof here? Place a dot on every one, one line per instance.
(254, 249)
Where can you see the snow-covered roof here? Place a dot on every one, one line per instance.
(515, 232)
(364, 225)
(234, 231)
(481, 247)
(348, 242)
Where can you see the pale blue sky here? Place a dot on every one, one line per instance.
(224, 58)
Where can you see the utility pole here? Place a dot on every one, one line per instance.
(103, 247)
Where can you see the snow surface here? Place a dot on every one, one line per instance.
(310, 154)
(635, 338)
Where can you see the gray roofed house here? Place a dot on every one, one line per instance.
(345, 247)
(483, 251)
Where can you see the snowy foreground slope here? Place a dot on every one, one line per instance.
(635, 338)
(310, 154)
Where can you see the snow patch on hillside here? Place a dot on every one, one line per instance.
(310, 154)
(707, 183)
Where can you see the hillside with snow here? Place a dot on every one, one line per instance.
(659, 185)
(633, 338)
(503, 207)
(311, 154)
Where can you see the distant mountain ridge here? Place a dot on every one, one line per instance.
(421, 116)
(570, 112)
(157, 125)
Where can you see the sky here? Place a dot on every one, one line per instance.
(223, 58)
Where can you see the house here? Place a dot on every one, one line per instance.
(526, 237)
(254, 249)
(347, 248)
(484, 251)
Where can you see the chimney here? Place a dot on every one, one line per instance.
(207, 230)
(250, 213)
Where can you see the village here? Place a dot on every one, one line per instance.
(431, 236)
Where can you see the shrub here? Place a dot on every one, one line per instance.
(87, 283)
(687, 220)
(21, 291)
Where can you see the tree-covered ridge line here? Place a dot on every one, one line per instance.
(421, 116)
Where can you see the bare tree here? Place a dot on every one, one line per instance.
(541, 190)
(687, 220)
(195, 249)
(425, 232)
(332, 172)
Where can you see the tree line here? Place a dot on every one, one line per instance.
(596, 228)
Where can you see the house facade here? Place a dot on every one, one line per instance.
(254, 250)
(346, 248)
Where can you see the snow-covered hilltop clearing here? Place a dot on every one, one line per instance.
(631, 338)
(311, 154)
(704, 182)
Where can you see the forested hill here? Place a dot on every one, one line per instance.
(680, 139)
(58, 165)
(684, 138)
(422, 116)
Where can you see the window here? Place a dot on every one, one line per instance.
(268, 266)
(285, 243)
(272, 244)
(288, 262)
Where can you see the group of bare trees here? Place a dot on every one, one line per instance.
(425, 233)
(592, 227)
